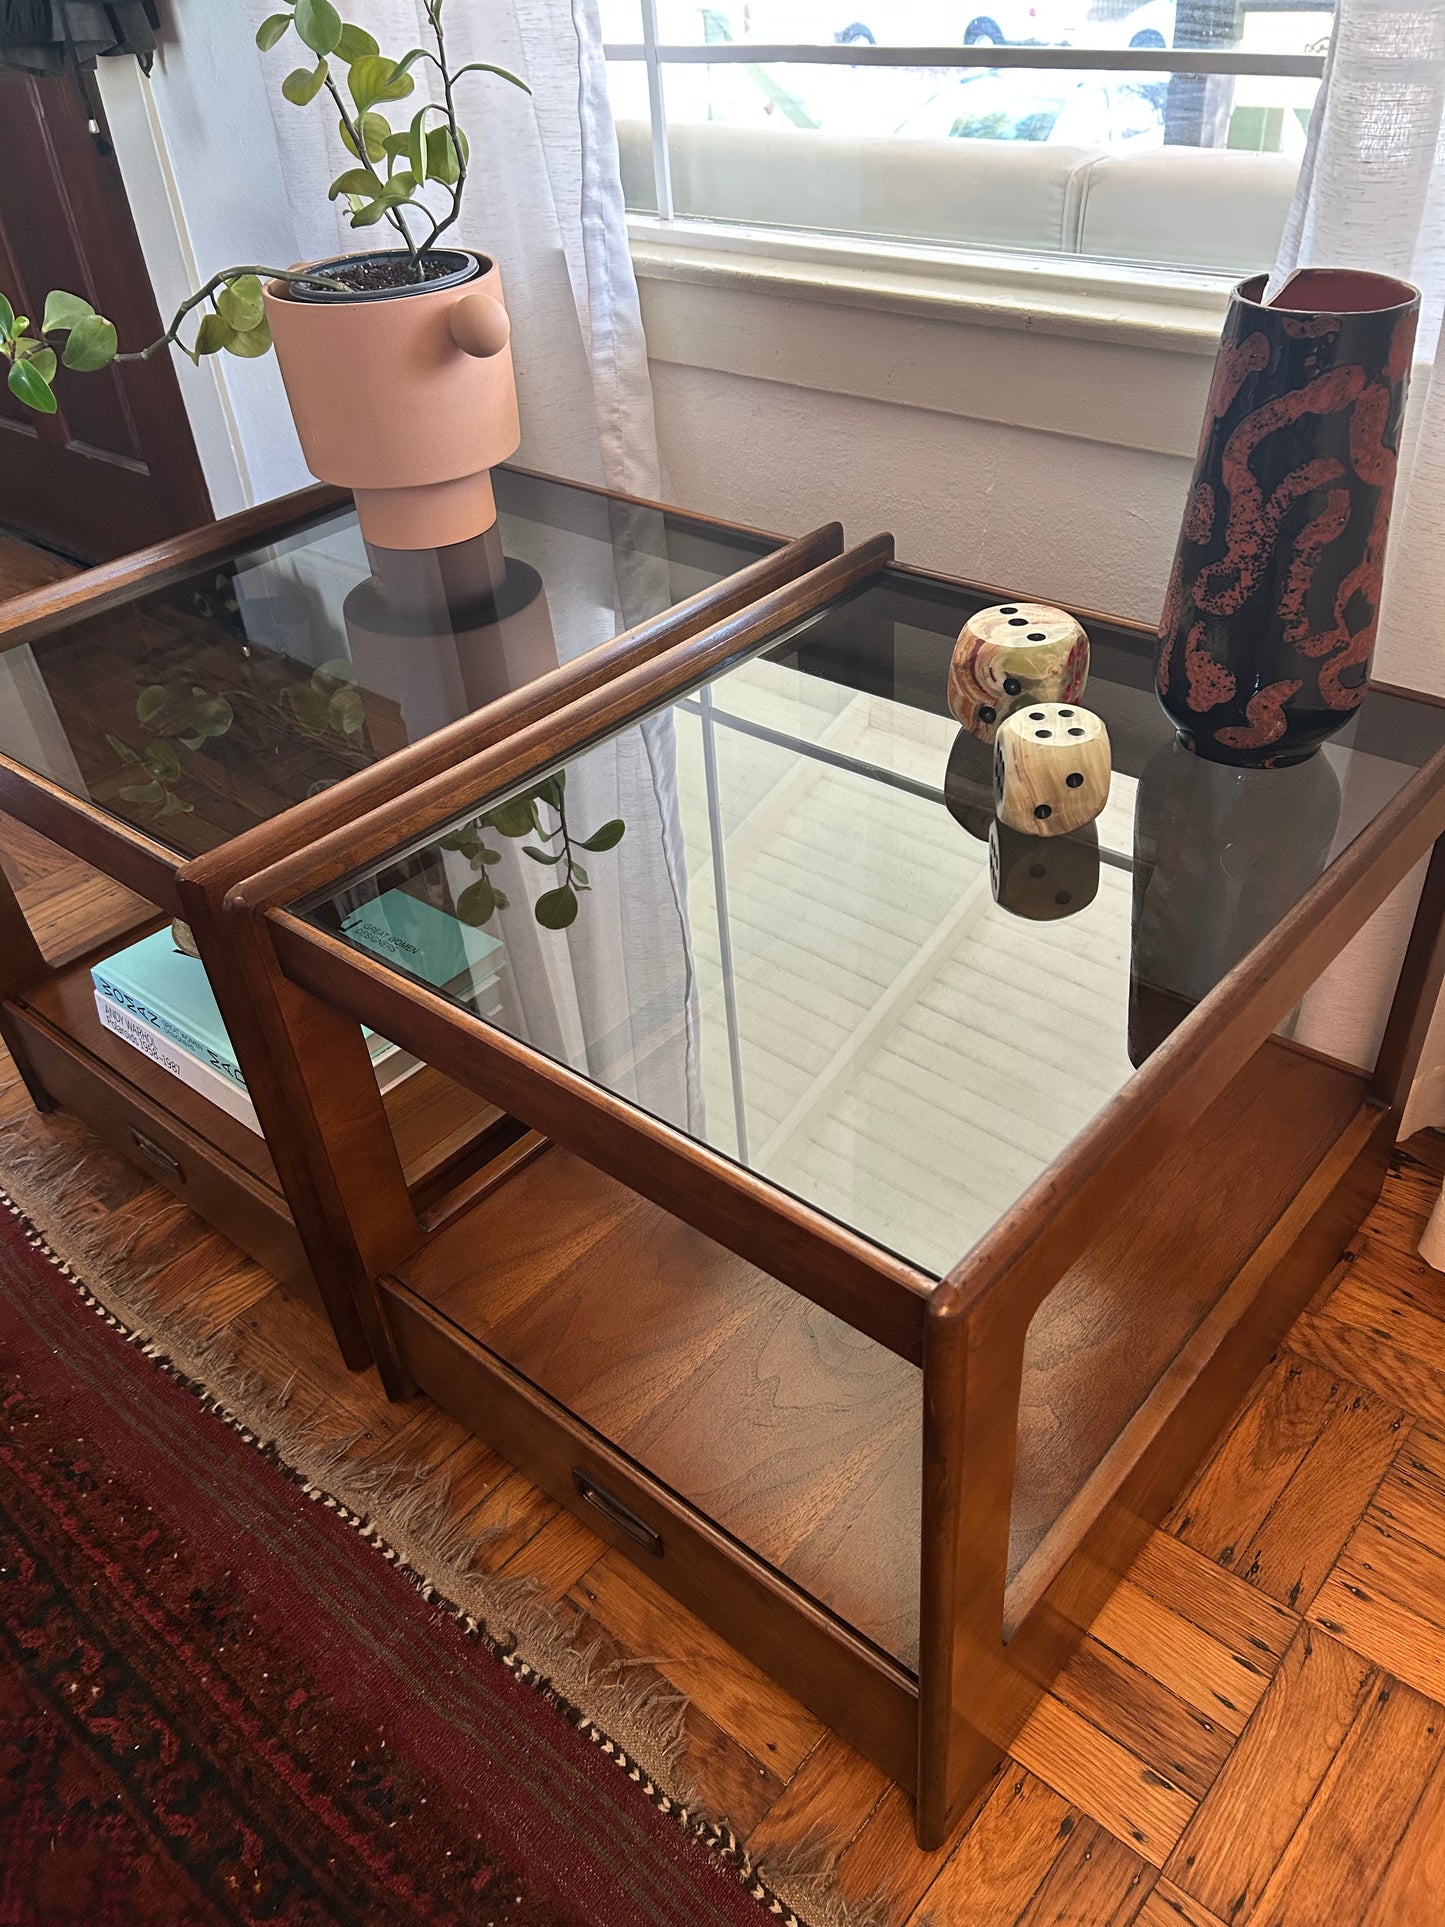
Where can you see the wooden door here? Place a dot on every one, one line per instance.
(115, 467)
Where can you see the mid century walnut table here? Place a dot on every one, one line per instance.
(184, 716)
(902, 1211)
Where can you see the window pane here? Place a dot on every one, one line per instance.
(1266, 28)
(1162, 169)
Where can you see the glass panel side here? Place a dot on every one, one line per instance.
(198, 711)
(778, 913)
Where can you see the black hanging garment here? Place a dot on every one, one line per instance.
(48, 36)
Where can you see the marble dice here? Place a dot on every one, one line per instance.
(1050, 769)
(1016, 653)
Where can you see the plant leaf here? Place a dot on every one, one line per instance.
(516, 817)
(91, 344)
(607, 838)
(150, 702)
(580, 877)
(177, 806)
(486, 67)
(550, 789)
(43, 361)
(31, 387)
(142, 792)
(416, 144)
(338, 670)
(302, 85)
(250, 343)
(211, 715)
(376, 210)
(213, 335)
(356, 180)
(485, 855)
(374, 78)
(273, 28)
(7, 319)
(63, 310)
(241, 303)
(345, 710)
(441, 157)
(477, 902)
(555, 909)
(375, 133)
(541, 856)
(319, 25)
(162, 762)
(354, 42)
(122, 750)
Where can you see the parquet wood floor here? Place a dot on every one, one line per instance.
(1252, 1736)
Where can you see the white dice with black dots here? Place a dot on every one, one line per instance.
(1050, 768)
(1012, 655)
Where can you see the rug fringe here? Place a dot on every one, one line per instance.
(635, 1722)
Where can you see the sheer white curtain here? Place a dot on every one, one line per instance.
(544, 198)
(1371, 194)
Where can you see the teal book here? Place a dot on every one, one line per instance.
(170, 991)
(429, 943)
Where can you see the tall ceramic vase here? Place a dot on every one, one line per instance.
(1269, 622)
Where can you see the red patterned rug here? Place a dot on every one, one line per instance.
(219, 1702)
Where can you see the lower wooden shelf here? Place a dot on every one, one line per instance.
(796, 1436)
(224, 1171)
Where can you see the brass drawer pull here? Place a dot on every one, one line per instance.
(149, 1149)
(613, 1509)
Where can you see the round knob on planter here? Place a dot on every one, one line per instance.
(480, 326)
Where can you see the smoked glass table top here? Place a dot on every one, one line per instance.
(198, 710)
(777, 913)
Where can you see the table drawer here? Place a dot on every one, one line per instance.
(863, 1695)
(193, 1170)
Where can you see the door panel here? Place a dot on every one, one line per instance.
(116, 466)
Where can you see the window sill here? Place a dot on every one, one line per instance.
(1167, 311)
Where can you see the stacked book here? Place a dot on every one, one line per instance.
(158, 999)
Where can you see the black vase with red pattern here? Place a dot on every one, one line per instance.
(1269, 622)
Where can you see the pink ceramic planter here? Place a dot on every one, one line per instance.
(410, 402)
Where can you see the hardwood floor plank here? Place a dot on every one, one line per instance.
(1231, 1498)
(1380, 1357)
(1161, 1730)
(885, 1874)
(768, 1722)
(1170, 1906)
(1301, 1536)
(558, 1556)
(1094, 1882)
(823, 1807)
(1005, 1857)
(1339, 1853)
(1231, 1847)
(1213, 1597)
(1412, 1890)
(1103, 1779)
(1199, 1669)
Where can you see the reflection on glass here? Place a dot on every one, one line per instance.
(794, 948)
(200, 710)
(1220, 856)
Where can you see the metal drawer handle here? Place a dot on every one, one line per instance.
(148, 1148)
(613, 1509)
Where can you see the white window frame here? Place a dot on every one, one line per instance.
(1086, 297)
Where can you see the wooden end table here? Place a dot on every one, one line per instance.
(904, 1209)
(186, 715)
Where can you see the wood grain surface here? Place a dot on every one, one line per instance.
(1249, 1735)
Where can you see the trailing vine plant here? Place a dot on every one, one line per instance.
(394, 167)
(518, 817)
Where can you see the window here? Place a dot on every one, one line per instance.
(1161, 133)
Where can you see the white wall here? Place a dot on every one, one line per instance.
(1036, 462)
(197, 148)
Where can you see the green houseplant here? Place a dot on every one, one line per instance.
(396, 361)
